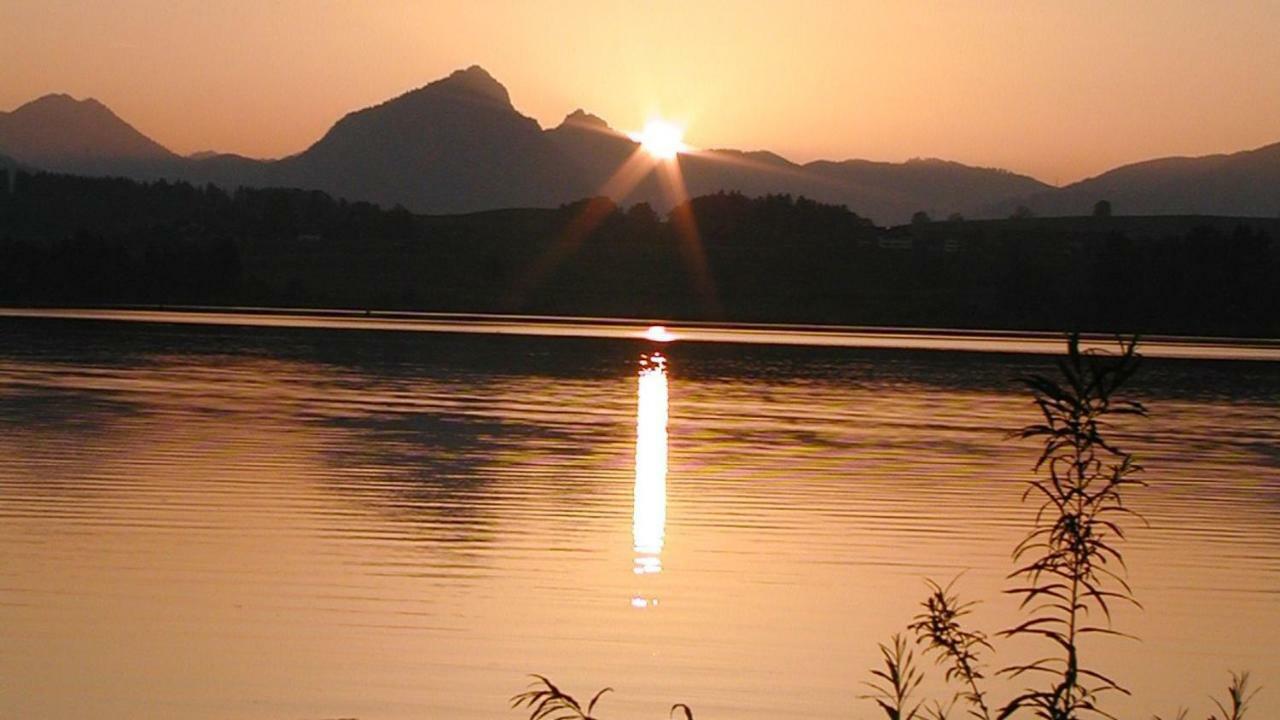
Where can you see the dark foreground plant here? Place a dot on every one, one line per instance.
(1072, 569)
(545, 701)
(957, 648)
(1069, 568)
(1238, 698)
(548, 702)
(896, 682)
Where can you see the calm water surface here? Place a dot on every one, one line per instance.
(236, 522)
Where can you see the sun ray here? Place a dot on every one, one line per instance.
(630, 174)
(657, 151)
(592, 215)
(690, 242)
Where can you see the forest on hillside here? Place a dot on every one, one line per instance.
(68, 240)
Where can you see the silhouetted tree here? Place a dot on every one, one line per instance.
(1022, 212)
(1102, 208)
(955, 217)
(643, 214)
(399, 223)
(279, 215)
(920, 217)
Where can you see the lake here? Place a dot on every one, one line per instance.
(284, 517)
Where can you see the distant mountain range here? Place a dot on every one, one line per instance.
(459, 145)
(1240, 184)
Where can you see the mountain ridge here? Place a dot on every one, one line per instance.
(458, 144)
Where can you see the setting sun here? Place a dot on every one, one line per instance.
(661, 139)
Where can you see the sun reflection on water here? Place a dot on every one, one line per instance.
(650, 514)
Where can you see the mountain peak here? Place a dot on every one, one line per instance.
(57, 131)
(582, 118)
(60, 102)
(474, 81)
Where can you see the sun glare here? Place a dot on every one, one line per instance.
(649, 520)
(661, 139)
(658, 333)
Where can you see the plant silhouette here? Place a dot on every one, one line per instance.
(1071, 563)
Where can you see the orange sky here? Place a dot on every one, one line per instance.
(1059, 90)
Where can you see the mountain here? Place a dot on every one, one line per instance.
(455, 145)
(595, 149)
(939, 187)
(887, 192)
(598, 154)
(460, 145)
(58, 132)
(1243, 183)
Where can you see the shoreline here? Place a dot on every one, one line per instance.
(903, 338)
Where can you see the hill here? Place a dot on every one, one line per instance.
(1243, 183)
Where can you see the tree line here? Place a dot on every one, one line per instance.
(67, 240)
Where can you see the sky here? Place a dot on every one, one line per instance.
(1057, 90)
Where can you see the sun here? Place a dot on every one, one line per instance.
(661, 139)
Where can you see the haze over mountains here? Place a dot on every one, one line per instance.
(459, 145)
